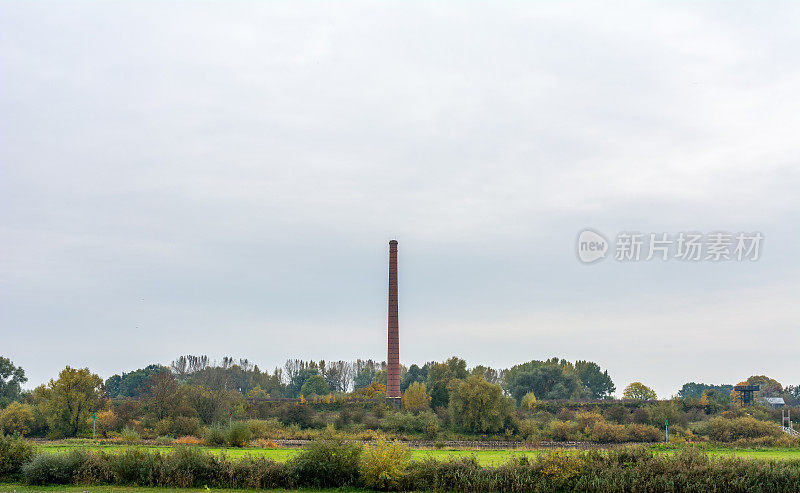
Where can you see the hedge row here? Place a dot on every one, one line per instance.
(335, 463)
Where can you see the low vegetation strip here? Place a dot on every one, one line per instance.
(334, 463)
(485, 457)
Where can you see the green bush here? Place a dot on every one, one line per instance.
(603, 432)
(644, 433)
(259, 428)
(53, 468)
(728, 430)
(135, 466)
(163, 440)
(16, 418)
(178, 426)
(425, 422)
(216, 436)
(14, 451)
(297, 414)
(183, 467)
(399, 421)
(562, 431)
(271, 427)
(327, 463)
(238, 435)
(383, 465)
(129, 435)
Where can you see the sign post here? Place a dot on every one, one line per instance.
(666, 430)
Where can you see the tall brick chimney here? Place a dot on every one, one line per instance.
(393, 377)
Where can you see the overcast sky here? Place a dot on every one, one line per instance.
(223, 178)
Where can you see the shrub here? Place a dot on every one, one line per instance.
(178, 426)
(53, 468)
(16, 418)
(644, 433)
(14, 451)
(264, 443)
(258, 428)
(189, 440)
(185, 425)
(562, 431)
(238, 435)
(129, 435)
(163, 440)
(107, 422)
(135, 466)
(383, 465)
(608, 433)
(427, 423)
(265, 428)
(587, 419)
(185, 467)
(616, 414)
(529, 429)
(298, 414)
(326, 463)
(398, 422)
(728, 430)
(640, 415)
(334, 463)
(463, 474)
(216, 436)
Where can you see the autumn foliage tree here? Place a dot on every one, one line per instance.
(528, 401)
(416, 398)
(16, 418)
(374, 390)
(638, 391)
(478, 406)
(162, 395)
(70, 401)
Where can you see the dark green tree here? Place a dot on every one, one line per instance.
(414, 374)
(296, 383)
(695, 390)
(315, 385)
(132, 384)
(546, 379)
(439, 377)
(594, 379)
(11, 380)
(490, 374)
(363, 378)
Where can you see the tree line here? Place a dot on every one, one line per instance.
(194, 391)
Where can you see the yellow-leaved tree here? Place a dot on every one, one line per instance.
(528, 401)
(416, 398)
(638, 391)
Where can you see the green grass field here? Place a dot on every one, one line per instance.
(485, 457)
